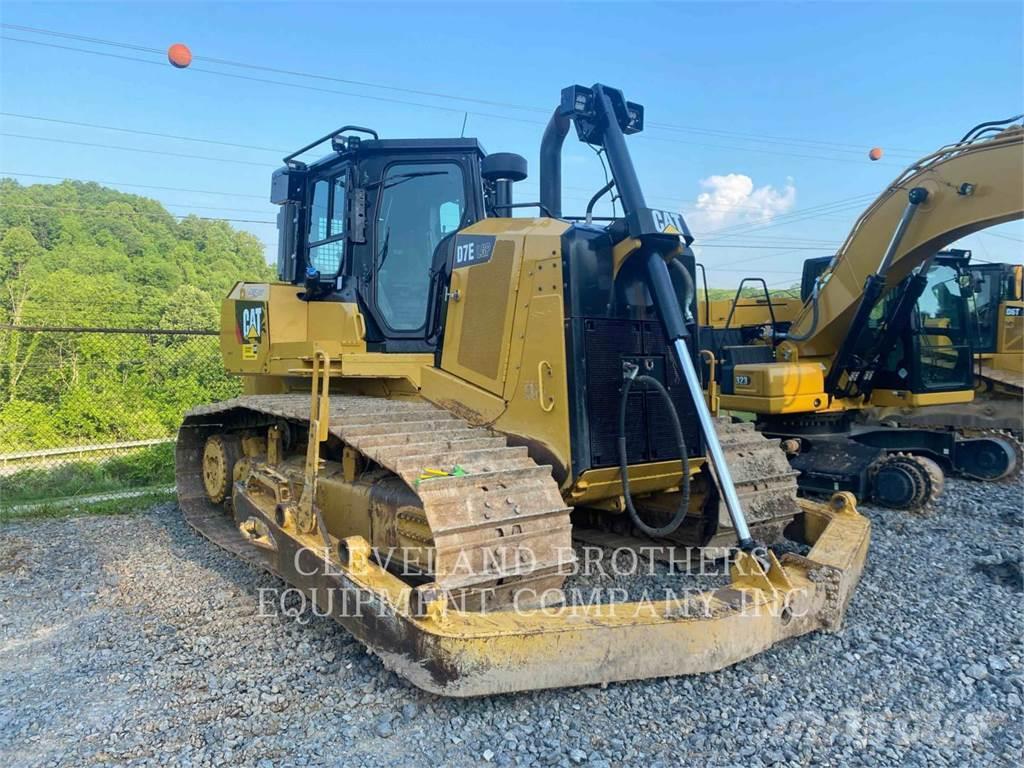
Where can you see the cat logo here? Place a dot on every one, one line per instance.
(667, 221)
(251, 318)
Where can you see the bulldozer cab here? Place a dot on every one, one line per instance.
(365, 224)
(995, 296)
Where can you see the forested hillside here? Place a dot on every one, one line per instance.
(84, 254)
(79, 254)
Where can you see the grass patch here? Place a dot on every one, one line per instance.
(70, 483)
(74, 507)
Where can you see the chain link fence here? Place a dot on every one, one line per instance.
(89, 415)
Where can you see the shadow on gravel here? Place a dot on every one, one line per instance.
(1006, 573)
(199, 550)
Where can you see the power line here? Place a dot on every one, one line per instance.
(665, 198)
(800, 214)
(787, 141)
(126, 184)
(822, 245)
(712, 268)
(250, 78)
(164, 203)
(759, 150)
(294, 73)
(761, 247)
(405, 101)
(132, 149)
(1001, 235)
(753, 230)
(763, 138)
(139, 132)
(710, 243)
(752, 258)
(102, 212)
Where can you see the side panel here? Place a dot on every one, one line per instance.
(504, 361)
(1011, 328)
(481, 305)
(536, 387)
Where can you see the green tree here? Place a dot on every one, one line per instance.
(78, 254)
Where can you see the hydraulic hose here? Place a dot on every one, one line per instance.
(689, 290)
(814, 319)
(689, 293)
(684, 485)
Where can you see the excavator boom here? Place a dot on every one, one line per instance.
(967, 186)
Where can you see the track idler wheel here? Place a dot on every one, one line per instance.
(220, 453)
(906, 482)
(991, 457)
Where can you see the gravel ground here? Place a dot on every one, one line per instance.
(130, 640)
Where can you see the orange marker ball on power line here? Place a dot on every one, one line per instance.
(875, 153)
(179, 55)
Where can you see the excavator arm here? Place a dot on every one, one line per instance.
(951, 193)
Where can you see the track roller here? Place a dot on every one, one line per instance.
(220, 453)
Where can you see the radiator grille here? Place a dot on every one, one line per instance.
(649, 434)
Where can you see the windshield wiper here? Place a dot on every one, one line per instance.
(401, 178)
(384, 248)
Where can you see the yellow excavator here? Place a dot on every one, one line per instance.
(440, 398)
(883, 327)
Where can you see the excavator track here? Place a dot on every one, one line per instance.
(969, 422)
(1009, 383)
(500, 527)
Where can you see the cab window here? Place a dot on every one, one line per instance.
(326, 240)
(418, 206)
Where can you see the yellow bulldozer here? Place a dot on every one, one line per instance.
(870, 379)
(439, 398)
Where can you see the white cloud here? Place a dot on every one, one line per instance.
(733, 198)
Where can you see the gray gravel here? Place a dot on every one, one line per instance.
(129, 640)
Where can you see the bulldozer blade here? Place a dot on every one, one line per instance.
(465, 653)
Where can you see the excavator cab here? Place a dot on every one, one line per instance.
(920, 331)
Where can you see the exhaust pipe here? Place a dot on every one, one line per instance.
(551, 163)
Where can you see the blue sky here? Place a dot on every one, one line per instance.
(772, 107)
